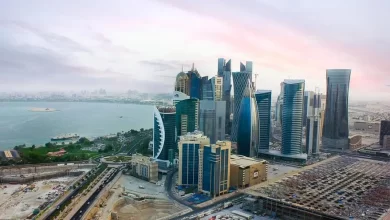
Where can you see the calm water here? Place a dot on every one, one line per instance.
(18, 125)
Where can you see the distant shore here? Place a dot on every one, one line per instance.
(43, 110)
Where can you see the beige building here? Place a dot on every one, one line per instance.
(182, 83)
(367, 126)
(386, 141)
(246, 171)
(144, 168)
(216, 82)
(189, 146)
(355, 142)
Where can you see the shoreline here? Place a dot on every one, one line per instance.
(43, 110)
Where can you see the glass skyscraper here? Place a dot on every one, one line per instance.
(195, 83)
(240, 81)
(292, 116)
(187, 116)
(225, 71)
(212, 119)
(385, 130)
(263, 101)
(214, 162)
(164, 132)
(247, 124)
(335, 129)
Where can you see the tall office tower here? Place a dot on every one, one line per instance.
(217, 85)
(313, 122)
(195, 83)
(225, 71)
(279, 105)
(212, 119)
(247, 124)
(385, 130)
(308, 106)
(263, 101)
(164, 132)
(187, 116)
(214, 168)
(182, 83)
(292, 116)
(179, 96)
(189, 146)
(336, 131)
(207, 89)
(240, 81)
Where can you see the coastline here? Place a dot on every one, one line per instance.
(43, 110)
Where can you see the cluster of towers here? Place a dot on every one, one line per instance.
(206, 104)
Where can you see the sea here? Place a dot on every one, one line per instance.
(19, 125)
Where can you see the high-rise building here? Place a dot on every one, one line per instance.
(189, 146)
(385, 130)
(225, 71)
(335, 131)
(216, 83)
(308, 109)
(292, 116)
(179, 96)
(212, 119)
(214, 168)
(207, 89)
(182, 83)
(263, 101)
(187, 116)
(164, 132)
(240, 81)
(279, 105)
(247, 124)
(313, 122)
(195, 83)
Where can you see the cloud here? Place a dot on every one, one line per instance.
(107, 44)
(165, 65)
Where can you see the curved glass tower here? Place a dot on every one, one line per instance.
(292, 116)
(263, 101)
(164, 132)
(247, 133)
(240, 82)
(335, 131)
(158, 133)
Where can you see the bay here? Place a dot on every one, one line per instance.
(19, 125)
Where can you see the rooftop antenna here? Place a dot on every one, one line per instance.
(256, 74)
(182, 68)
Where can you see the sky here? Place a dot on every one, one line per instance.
(120, 45)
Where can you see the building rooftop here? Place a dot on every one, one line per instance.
(243, 161)
(294, 81)
(261, 91)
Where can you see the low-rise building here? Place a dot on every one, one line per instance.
(367, 126)
(386, 142)
(355, 142)
(246, 171)
(57, 153)
(144, 168)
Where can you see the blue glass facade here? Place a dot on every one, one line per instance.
(190, 164)
(292, 117)
(164, 132)
(195, 84)
(225, 71)
(263, 101)
(335, 129)
(187, 117)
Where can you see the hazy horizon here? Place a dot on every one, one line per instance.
(141, 45)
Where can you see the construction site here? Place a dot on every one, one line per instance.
(341, 188)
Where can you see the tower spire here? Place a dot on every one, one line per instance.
(193, 67)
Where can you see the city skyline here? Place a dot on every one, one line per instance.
(63, 46)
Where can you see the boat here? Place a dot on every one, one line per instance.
(65, 137)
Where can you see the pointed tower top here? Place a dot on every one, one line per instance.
(182, 68)
(193, 67)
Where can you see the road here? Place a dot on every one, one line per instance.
(168, 188)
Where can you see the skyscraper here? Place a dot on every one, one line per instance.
(207, 89)
(279, 105)
(240, 81)
(385, 130)
(187, 116)
(263, 101)
(195, 83)
(307, 106)
(182, 83)
(212, 119)
(248, 67)
(335, 130)
(179, 96)
(214, 168)
(247, 124)
(164, 132)
(292, 116)
(313, 123)
(225, 71)
(189, 146)
(212, 89)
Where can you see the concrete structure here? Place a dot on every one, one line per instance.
(144, 168)
(373, 127)
(212, 119)
(355, 142)
(189, 146)
(241, 85)
(164, 132)
(336, 130)
(385, 130)
(386, 142)
(225, 71)
(292, 117)
(263, 101)
(313, 122)
(246, 171)
(247, 129)
(179, 96)
(214, 168)
(182, 83)
(187, 116)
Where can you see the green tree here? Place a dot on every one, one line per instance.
(33, 147)
(48, 144)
